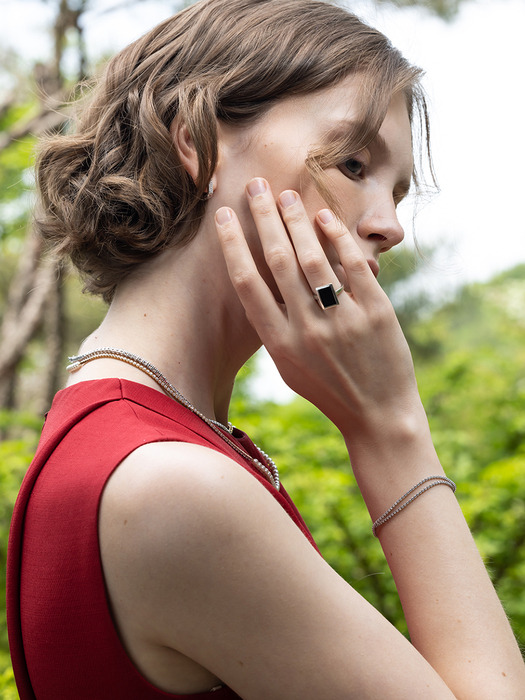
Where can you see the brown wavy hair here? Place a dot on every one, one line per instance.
(113, 192)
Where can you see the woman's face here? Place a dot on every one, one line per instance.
(368, 185)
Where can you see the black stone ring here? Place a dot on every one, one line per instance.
(326, 296)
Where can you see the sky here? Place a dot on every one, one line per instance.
(474, 79)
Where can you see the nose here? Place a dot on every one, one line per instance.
(381, 225)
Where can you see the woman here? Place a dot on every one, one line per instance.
(233, 182)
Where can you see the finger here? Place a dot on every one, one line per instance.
(360, 277)
(312, 257)
(278, 250)
(260, 305)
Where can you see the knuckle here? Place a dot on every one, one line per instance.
(357, 264)
(228, 233)
(312, 262)
(278, 258)
(244, 281)
(293, 216)
(263, 209)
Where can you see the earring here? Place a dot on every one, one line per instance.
(209, 192)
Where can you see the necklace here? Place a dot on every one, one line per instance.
(270, 472)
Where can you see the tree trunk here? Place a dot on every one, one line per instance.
(28, 295)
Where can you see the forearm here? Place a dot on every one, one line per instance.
(453, 614)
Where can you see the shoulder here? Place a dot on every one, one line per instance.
(159, 474)
(202, 523)
(171, 499)
(185, 497)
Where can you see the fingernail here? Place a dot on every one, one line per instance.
(287, 198)
(325, 216)
(223, 215)
(256, 186)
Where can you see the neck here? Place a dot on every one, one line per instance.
(180, 313)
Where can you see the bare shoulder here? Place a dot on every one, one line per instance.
(183, 486)
(223, 575)
(187, 511)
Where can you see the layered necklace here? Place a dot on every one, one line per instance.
(268, 470)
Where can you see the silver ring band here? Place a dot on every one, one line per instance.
(326, 296)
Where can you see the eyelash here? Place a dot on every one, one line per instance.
(357, 162)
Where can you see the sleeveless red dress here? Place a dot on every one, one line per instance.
(64, 645)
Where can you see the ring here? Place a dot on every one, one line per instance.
(326, 296)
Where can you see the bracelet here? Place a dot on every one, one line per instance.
(394, 509)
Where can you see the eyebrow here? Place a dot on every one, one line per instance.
(343, 126)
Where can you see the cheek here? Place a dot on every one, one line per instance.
(350, 196)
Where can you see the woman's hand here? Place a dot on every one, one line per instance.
(351, 360)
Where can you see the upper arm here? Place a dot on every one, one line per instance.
(225, 577)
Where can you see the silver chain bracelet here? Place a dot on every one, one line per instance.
(396, 508)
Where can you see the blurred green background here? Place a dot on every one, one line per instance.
(468, 347)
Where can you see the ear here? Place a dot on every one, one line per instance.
(186, 148)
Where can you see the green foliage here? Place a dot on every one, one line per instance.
(474, 387)
(15, 456)
(474, 392)
(15, 196)
(8, 689)
(494, 505)
(15, 173)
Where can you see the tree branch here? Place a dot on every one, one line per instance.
(15, 336)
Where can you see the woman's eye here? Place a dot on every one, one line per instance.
(354, 166)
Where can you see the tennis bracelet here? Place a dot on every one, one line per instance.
(401, 503)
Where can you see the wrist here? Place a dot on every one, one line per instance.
(390, 457)
(383, 430)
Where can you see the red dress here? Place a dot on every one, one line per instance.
(64, 645)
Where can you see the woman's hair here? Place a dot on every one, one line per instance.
(114, 193)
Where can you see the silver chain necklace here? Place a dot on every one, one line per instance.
(270, 472)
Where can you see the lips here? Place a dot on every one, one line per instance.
(374, 266)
